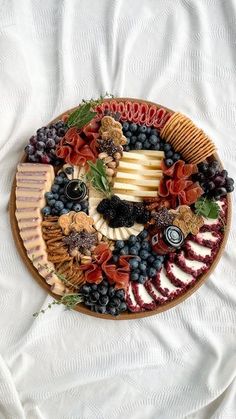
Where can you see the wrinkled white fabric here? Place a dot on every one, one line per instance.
(65, 365)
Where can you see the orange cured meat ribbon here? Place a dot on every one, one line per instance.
(116, 274)
(176, 185)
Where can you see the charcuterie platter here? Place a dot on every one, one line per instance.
(120, 208)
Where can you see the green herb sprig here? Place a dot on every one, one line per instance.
(85, 113)
(207, 208)
(98, 178)
(69, 300)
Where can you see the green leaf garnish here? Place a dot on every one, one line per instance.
(207, 208)
(85, 113)
(98, 178)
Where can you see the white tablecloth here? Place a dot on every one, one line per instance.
(179, 364)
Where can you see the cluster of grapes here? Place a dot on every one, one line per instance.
(104, 298)
(121, 213)
(213, 180)
(141, 137)
(145, 263)
(42, 146)
(57, 201)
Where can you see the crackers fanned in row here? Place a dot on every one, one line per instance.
(187, 139)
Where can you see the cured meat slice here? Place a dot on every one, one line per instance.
(165, 286)
(135, 112)
(142, 297)
(177, 276)
(198, 252)
(191, 266)
(131, 301)
(151, 115)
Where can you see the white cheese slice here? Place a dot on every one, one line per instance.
(165, 282)
(33, 241)
(143, 154)
(148, 183)
(180, 274)
(156, 292)
(147, 299)
(194, 264)
(199, 249)
(150, 153)
(29, 201)
(124, 188)
(207, 235)
(29, 192)
(144, 175)
(156, 164)
(27, 232)
(35, 167)
(128, 197)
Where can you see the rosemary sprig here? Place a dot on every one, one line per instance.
(85, 113)
(69, 300)
(98, 178)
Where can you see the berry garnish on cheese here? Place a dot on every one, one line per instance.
(208, 238)
(154, 293)
(142, 297)
(191, 266)
(178, 276)
(165, 286)
(198, 252)
(131, 301)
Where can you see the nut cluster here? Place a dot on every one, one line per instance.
(111, 162)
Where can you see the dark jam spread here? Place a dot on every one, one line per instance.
(167, 240)
(75, 190)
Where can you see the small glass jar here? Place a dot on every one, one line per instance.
(167, 240)
(75, 190)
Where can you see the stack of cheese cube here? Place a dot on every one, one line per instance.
(138, 175)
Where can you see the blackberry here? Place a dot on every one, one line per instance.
(115, 223)
(103, 206)
(115, 200)
(143, 218)
(110, 214)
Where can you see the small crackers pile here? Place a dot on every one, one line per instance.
(186, 220)
(194, 145)
(112, 129)
(77, 221)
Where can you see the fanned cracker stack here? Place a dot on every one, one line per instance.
(187, 139)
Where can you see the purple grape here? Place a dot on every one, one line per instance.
(210, 186)
(219, 181)
(39, 153)
(33, 140)
(40, 145)
(229, 188)
(50, 143)
(220, 192)
(33, 159)
(45, 159)
(29, 149)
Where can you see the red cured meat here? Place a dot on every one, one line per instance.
(79, 146)
(176, 185)
(140, 113)
(116, 274)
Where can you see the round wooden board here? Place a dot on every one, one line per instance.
(83, 309)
